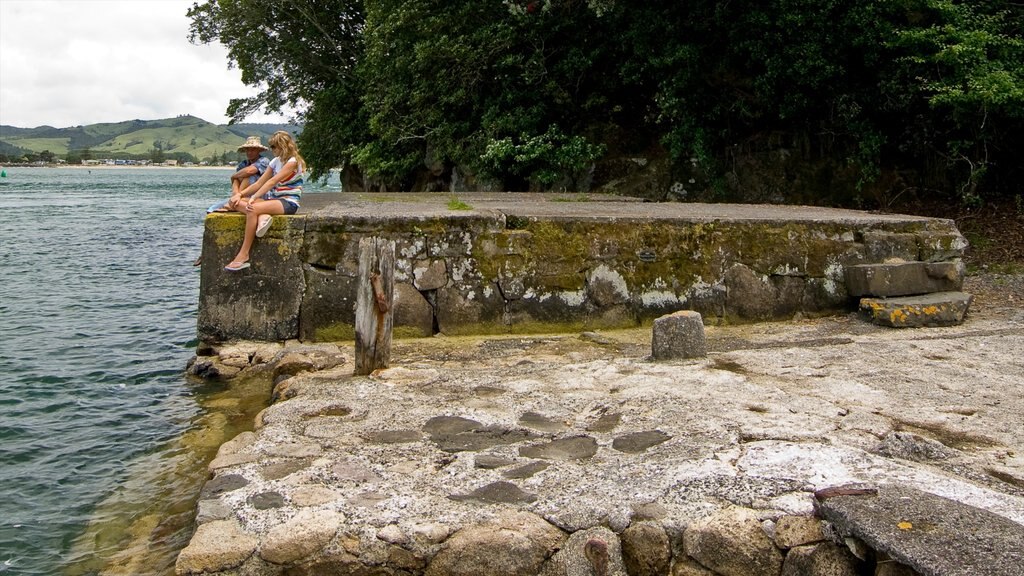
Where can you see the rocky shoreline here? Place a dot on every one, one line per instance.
(577, 454)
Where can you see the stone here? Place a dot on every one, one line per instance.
(881, 246)
(646, 549)
(679, 335)
(497, 492)
(413, 314)
(748, 294)
(904, 278)
(392, 534)
(294, 450)
(490, 462)
(605, 422)
(791, 531)
(228, 460)
(315, 495)
(429, 274)
(216, 546)
(211, 369)
(824, 559)
(929, 310)
(588, 552)
(222, 484)
(638, 442)
(526, 470)
(928, 533)
(541, 422)
(689, 567)
(732, 543)
(355, 472)
(302, 535)
(606, 287)
(577, 448)
(210, 510)
(909, 446)
(513, 544)
(278, 470)
(266, 500)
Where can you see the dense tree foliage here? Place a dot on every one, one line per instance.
(529, 94)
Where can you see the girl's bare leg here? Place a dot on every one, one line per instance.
(252, 215)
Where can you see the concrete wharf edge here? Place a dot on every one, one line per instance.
(535, 263)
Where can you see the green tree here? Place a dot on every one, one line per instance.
(960, 72)
(298, 54)
(528, 93)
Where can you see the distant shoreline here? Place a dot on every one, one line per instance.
(109, 167)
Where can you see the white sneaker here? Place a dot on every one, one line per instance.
(263, 225)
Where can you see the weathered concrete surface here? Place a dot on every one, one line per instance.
(418, 462)
(536, 263)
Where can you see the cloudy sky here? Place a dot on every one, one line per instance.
(70, 62)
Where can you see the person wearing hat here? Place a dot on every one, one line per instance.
(247, 172)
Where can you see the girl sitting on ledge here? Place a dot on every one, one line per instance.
(276, 192)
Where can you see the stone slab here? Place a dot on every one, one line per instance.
(929, 310)
(933, 535)
(904, 278)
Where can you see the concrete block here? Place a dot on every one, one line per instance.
(904, 278)
(929, 533)
(938, 309)
(679, 335)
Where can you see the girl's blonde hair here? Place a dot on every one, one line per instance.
(287, 148)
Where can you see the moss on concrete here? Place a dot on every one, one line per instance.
(337, 332)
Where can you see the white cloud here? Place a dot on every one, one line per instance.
(70, 62)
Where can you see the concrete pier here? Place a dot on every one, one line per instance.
(535, 263)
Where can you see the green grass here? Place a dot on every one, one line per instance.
(454, 203)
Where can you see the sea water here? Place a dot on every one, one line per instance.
(103, 439)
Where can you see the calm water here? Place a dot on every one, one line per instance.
(103, 441)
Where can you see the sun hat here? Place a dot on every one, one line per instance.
(252, 142)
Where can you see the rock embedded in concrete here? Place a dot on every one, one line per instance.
(513, 544)
(575, 448)
(497, 493)
(637, 442)
(731, 542)
(216, 546)
(679, 335)
(646, 549)
(588, 552)
(823, 559)
(301, 536)
(791, 531)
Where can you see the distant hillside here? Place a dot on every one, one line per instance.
(184, 136)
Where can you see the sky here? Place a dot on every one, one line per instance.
(75, 62)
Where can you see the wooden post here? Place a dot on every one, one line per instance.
(374, 309)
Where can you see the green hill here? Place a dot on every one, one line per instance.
(184, 136)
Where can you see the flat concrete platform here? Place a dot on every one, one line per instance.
(577, 206)
(383, 473)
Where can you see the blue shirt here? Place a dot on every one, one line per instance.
(261, 165)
